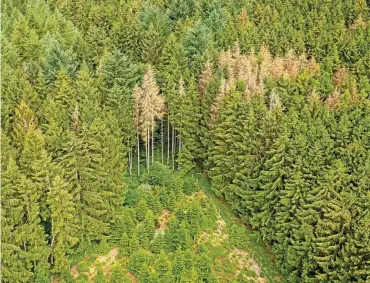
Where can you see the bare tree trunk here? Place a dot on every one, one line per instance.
(162, 140)
(52, 242)
(180, 141)
(148, 150)
(173, 148)
(168, 140)
(130, 162)
(138, 153)
(130, 158)
(152, 140)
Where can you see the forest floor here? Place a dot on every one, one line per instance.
(260, 252)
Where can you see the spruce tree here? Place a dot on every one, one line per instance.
(151, 45)
(15, 263)
(63, 230)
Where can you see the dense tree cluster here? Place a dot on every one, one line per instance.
(271, 98)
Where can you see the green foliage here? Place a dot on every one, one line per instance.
(197, 45)
(137, 261)
(56, 60)
(279, 122)
(118, 275)
(63, 230)
(100, 277)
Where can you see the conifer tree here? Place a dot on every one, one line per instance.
(134, 243)
(158, 243)
(56, 60)
(141, 209)
(25, 120)
(205, 78)
(15, 261)
(151, 108)
(151, 45)
(87, 96)
(163, 268)
(36, 165)
(197, 43)
(25, 39)
(189, 143)
(124, 244)
(63, 230)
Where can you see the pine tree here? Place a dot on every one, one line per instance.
(85, 174)
(189, 143)
(57, 60)
(151, 45)
(14, 258)
(141, 209)
(36, 165)
(119, 69)
(8, 151)
(158, 243)
(54, 127)
(134, 243)
(87, 95)
(100, 277)
(137, 261)
(63, 230)
(25, 39)
(272, 182)
(151, 107)
(178, 265)
(130, 43)
(197, 43)
(119, 276)
(204, 268)
(182, 9)
(205, 78)
(124, 243)
(25, 120)
(163, 268)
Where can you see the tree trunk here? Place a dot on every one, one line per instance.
(148, 150)
(173, 148)
(138, 153)
(162, 140)
(129, 162)
(152, 141)
(130, 159)
(180, 142)
(168, 140)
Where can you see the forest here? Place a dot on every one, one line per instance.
(185, 141)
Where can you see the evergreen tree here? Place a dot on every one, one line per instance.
(63, 230)
(151, 45)
(134, 243)
(15, 262)
(56, 60)
(100, 277)
(163, 268)
(36, 165)
(124, 244)
(197, 43)
(158, 243)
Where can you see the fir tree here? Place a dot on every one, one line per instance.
(63, 230)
